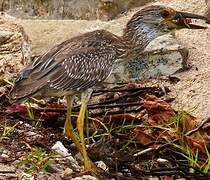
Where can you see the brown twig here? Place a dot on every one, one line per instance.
(107, 113)
(90, 106)
(6, 172)
(114, 105)
(131, 92)
(128, 89)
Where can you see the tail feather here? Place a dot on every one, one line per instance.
(22, 91)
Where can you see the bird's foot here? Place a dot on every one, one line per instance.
(91, 170)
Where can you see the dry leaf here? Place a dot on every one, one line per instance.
(196, 144)
(142, 136)
(49, 115)
(188, 123)
(17, 108)
(159, 111)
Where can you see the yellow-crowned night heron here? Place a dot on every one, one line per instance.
(80, 63)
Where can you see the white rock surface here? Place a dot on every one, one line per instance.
(25, 176)
(163, 56)
(60, 149)
(102, 165)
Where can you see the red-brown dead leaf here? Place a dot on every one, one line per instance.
(188, 123)
(21, 109)
(143, 136)
(166, 178)
(196, 144)
(56, 106)
(49, 115)
(164, 135)
(159, 111)
(152, 134)
(17, 108)
(199, 140)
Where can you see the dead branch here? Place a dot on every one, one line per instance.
(107, 113)
(131, 92)
(6, 172)
(90, 106)
(128, 89)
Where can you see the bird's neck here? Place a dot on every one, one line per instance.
(138, 36)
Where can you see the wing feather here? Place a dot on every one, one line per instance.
(76, 64)
(85, 69)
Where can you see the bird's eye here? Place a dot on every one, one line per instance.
(165, 13)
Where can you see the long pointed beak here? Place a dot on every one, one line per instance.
(184, 20)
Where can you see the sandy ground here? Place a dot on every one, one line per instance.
(192, 92)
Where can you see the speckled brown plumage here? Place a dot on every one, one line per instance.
(73, 66)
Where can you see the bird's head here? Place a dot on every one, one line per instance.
(154, 21)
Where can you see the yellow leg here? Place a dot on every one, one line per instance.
(68, 125)
(79, 142)
(80, 127)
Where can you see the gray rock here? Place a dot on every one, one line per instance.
(67, 172)
(14, 47)
(102, 165)
(163, 56)
(69, 9)
(60, 149)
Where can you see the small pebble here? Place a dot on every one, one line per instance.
(102, 165)
(25, 176)
(60, 149)
(161, 160)
(85, 177)
(5, 156)
(67, 172)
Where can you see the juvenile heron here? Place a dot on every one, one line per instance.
(79, 64)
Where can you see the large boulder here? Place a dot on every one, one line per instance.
(14, 47)
(163, 56)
